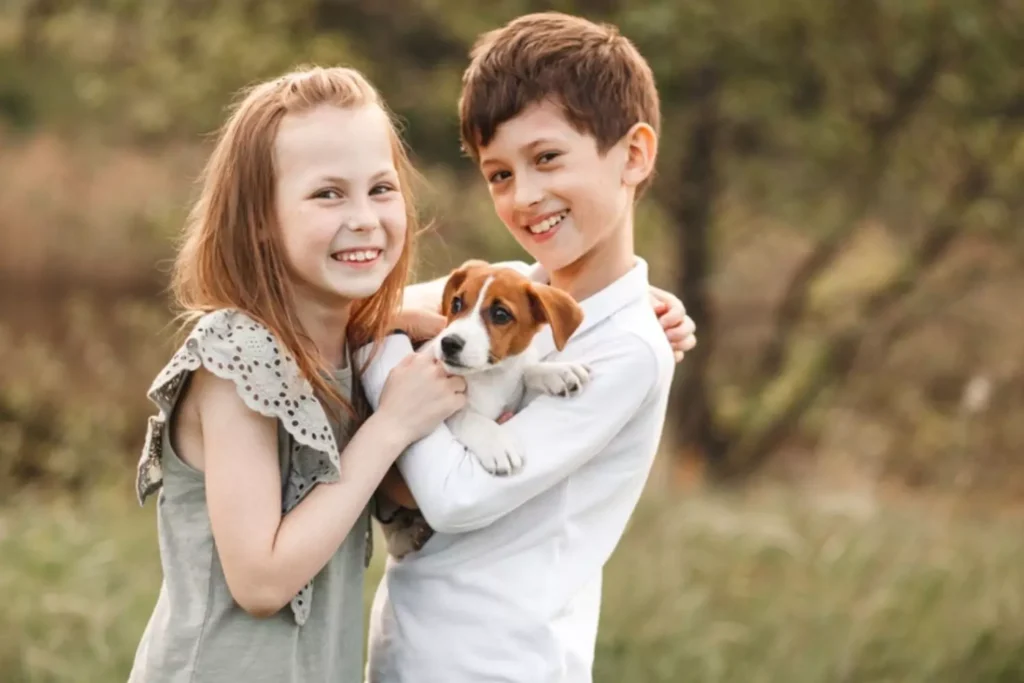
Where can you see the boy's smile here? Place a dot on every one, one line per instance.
(544, 228)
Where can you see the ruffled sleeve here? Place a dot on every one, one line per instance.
(233, 346)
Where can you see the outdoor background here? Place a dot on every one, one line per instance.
(839, 205)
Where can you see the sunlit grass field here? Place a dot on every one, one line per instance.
(774, 585)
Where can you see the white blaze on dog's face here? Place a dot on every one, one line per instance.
(493, 315)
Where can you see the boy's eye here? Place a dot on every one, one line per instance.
(500, 315)
(498, 176)
(546, 157)
(456, 304)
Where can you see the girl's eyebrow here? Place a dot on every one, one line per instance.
(339, 180)
(389, 173)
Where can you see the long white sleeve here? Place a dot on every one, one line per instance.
(555, 435)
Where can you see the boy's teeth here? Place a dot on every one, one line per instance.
(548, 223)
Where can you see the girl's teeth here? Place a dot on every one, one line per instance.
(548, 223)
(367, 255)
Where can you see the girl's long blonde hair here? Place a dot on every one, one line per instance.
(232, 254)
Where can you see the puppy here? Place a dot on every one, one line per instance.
(493, 315)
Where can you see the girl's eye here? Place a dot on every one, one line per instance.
(500, 315)
(328, 193)
(382, 188)
(498, 176)
(456, 304)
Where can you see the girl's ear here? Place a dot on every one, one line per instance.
(641, 151)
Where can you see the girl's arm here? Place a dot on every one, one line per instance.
(268, 557)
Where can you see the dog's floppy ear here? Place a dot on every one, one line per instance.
(455, 280)
(556, 308)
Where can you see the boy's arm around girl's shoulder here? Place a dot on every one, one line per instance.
(266, 556)
(554, 435)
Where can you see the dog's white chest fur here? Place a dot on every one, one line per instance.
(492, 392)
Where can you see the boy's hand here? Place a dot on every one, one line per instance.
(419, 324)
(679, 327)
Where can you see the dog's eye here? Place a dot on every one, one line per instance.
(456, 304)
(500, 315)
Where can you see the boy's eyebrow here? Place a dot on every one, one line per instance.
(528, 147)
(540, 142)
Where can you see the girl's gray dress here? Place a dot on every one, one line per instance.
(197, 633)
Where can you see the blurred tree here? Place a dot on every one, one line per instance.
(853, 103)
(826, 117)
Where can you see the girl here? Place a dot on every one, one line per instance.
(262, 451)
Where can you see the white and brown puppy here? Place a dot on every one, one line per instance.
(493, 315)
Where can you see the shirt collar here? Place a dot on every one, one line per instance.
(633, 286)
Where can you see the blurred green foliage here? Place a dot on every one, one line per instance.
(800, 140)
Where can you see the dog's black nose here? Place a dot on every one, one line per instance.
(452, 344)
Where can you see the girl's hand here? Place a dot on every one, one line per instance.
(679, 327)
(419, 395)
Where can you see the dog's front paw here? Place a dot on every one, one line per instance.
(485, 439)
(499, 457)
(557, 379)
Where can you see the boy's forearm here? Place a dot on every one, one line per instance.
(424, 294)
(556, 435)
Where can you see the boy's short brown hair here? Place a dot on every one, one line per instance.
(596, 74)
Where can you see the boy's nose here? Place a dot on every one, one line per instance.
(527, 195)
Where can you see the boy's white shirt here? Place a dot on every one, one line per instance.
(509, 586)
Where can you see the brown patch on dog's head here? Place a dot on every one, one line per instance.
(506, 307)
(453, 288)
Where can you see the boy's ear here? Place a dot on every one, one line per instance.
(556, 308)
(641, 151)
(455, 280)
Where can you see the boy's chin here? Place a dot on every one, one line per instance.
(552, 260)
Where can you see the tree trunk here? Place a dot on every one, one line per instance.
(692, 418)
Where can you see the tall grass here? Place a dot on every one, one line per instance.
(708, 587)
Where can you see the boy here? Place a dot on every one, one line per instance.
(561, 116)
